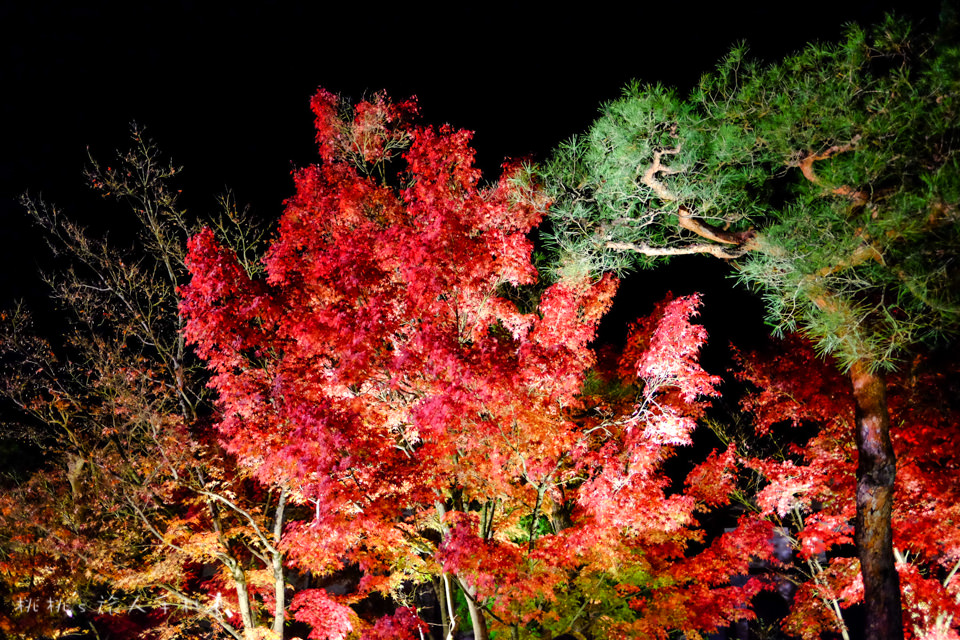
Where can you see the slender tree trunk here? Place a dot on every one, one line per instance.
(279, 579)
(279, 591)
(440, 590)
(476, 614)
(873, 535)
(247, 614)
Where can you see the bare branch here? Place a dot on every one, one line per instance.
(243, 513)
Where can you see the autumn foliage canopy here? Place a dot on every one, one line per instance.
(413, 432)
(399, 370)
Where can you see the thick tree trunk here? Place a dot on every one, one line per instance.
(873, 535)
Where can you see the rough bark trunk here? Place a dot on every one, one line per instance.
(873, 535)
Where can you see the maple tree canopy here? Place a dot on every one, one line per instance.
(386, 370)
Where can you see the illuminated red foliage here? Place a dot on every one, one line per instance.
(812, 489)
(384, 372)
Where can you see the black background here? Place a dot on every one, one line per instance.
(224, 89)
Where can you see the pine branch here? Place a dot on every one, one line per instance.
(861, 254)
(710, 232)
(716, 250)
(806, 168)
(649, 177)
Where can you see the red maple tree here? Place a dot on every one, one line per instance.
(378, 362)
(400, 371)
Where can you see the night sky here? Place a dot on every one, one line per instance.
(224, 90)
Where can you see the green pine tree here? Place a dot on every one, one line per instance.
(830, 180)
